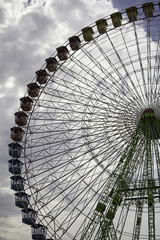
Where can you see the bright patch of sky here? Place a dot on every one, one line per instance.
(10, 82)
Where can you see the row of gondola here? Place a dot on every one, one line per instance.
(29, 216)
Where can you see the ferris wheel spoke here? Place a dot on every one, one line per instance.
(87, 172)
(73, 132)
(149, 72)
(100, 79)
(83, 190)
(80, 166)
(112, 208)
(123, 67)
(156, 71)
(134, 70)
(122, 217)
(107, 73)
(108, 155)
(127, 75)
(140, 61)
(57, 166)
(81, 101)
(79, 81)
(111, 98)
(156, 150)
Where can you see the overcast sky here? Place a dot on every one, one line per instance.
(28, 35)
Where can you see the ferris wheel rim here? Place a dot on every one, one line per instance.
(43, 90)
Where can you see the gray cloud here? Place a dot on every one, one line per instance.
(2, 15)
(3, 238)
(8, 201)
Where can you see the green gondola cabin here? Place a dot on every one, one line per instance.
(101, 26)
(87, 34)
(116, 19)
(148, 9)
(132, 13)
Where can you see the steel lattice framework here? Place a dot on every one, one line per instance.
(88, 134)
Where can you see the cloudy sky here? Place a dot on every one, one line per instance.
(28, 35)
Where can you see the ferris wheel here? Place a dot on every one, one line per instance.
(86, 150)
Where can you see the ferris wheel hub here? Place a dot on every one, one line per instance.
(148, 110)
(150, 124)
